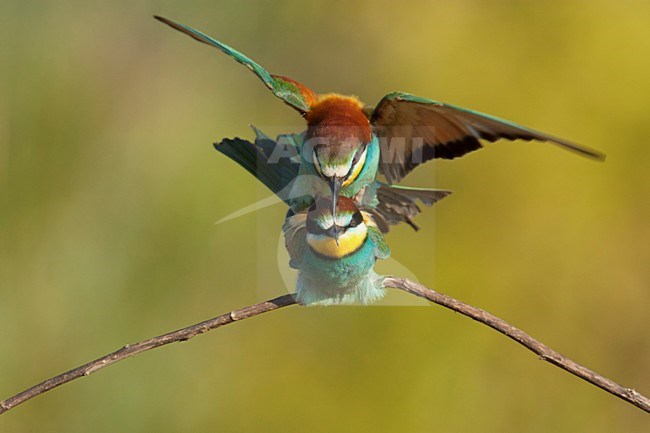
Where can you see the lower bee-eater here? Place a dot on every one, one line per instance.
(335, 255)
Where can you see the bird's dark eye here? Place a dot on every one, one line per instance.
(357, 156)
(357, 219)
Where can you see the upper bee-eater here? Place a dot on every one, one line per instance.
(346, 142)
(335, 255)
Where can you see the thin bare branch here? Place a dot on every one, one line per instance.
(142, 346)
(546, 353)
(477, 314)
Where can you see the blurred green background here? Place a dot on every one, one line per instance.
(110, 189)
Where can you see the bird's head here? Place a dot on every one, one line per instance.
(335, 236)
(338, 136)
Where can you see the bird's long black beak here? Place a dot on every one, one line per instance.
(335, 186)
(335, 232)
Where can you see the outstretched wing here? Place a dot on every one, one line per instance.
(398, 204)
(273, 163)
(287, 89)
(413, 130)
(285, 146)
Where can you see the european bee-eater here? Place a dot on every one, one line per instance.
(335, 255)
(347, 142)
(388, 204)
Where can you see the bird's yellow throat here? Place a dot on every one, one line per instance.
(349, 242)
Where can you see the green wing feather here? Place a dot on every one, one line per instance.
(284, 88)
(432, 129)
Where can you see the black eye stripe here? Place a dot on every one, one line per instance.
(315, 229)
(355, 160)
(357, 219)
(357, 156)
